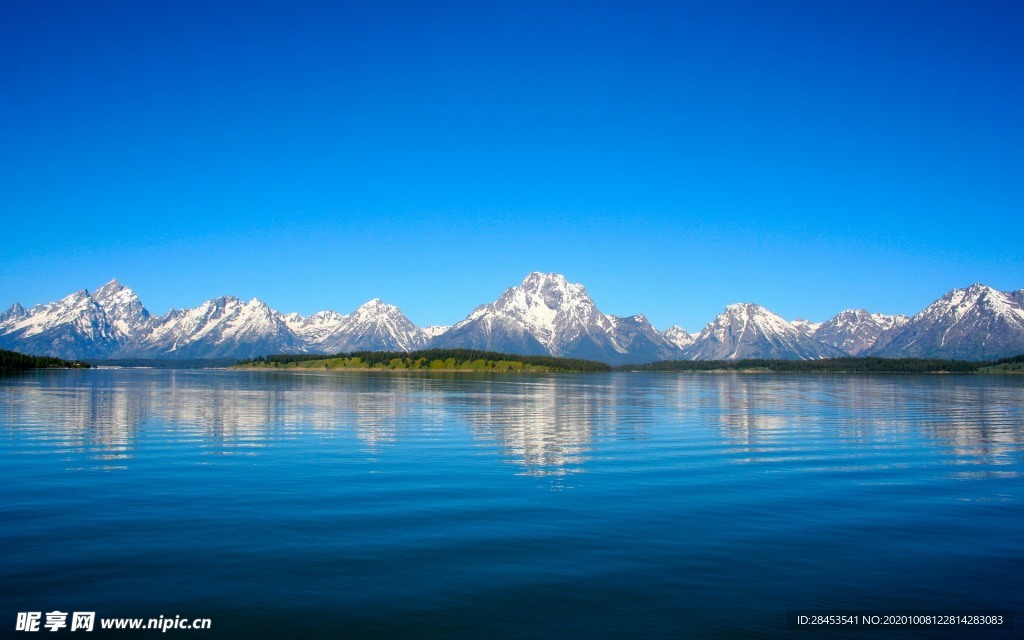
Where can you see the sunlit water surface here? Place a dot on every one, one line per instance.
(622, 505)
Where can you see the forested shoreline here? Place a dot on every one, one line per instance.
(14, 361)
(428, 360)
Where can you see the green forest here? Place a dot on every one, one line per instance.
(12, 360)
(428, 360)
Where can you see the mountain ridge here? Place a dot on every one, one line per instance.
(545, 314)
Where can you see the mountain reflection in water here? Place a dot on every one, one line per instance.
(545, 424)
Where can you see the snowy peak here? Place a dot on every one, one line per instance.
(973, 303)
(374, 309)
(435, 330)
(76, 326)
(123, 308)
(374, 326)
(222, 327)
(678, 336)
(805, 327)
(747, 330)
(547, 314)
(854, 331)
(112, 288)
(974, 323)
(77, 309)
(315, 328)
(548, 307)
(16, 312)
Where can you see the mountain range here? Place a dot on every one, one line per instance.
(544, 315)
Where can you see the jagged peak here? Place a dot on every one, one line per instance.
(678, 336)
(538, 282)
(978, 287)
(77, 296)
(860, 315)
(376, 305)
(114, 291)
(972, 292)
(958, 301)
(435, 330)
(744, 307)
(327, 314)
(16, 311)
(540, 277)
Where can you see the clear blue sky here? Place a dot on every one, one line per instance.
(673, 157)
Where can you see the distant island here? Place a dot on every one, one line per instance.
(427, 360)
(14, 361)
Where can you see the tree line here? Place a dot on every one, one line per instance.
(12, 360)
(428, 358)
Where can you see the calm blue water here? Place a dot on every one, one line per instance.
(569, 506)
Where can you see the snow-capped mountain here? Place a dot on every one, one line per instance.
(546, 314)
(679, 336)
(220, 328)
(316, 328)
(805, 327)
(123, 309)
(748, 330)
(375, 326)
(642, 342)
(112, 322)
(14, 313)
(854, 331)
(975, 323)
(435, 330)
(78, 326)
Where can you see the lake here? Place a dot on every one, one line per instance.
(536, 506)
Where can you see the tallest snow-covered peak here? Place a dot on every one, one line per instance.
(547, 314)
(539, 281)
(547, 305)
(110, 288)
(375, 306)
(122, 307)
(542, 300)
(80, 324)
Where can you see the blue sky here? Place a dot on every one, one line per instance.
(673, 157)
